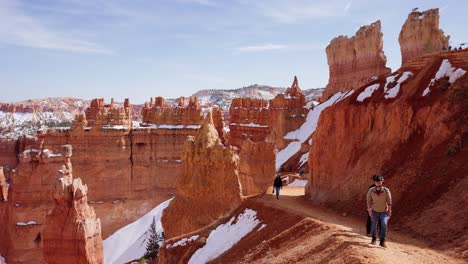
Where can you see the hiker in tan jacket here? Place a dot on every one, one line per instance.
(379, 206)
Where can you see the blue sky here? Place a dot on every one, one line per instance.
(172, 48)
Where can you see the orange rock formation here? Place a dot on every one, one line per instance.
(355, 61)
(208, 187)
(260, 120)
(419, 143)
(72, 233)
(100, 114)
(421, 35)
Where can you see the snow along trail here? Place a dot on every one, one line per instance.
(129, 242)
(303, 133)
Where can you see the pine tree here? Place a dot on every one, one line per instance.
(152, 246)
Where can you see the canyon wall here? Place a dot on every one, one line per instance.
(355, 61)
(420, 35)
(72, 232)
(260, 120)
(141, 165)
(410, 127)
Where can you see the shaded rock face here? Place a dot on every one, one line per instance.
(419, 143)
(355, 61)
(420, 35)
(73, 232)
(256, 167)
(260, 120)
(208, 187)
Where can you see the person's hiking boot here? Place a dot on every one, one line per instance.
(382, 243)
(374, 241)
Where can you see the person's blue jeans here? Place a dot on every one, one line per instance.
(383, 217)
(277, 192)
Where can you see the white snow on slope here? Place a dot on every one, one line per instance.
(304, 159)
(367, 92)
(300, 135)
(393, 92)
(27, 223)
(225, 236)
(300, 183)
(129, 242)
(183, 241)
(2, 260)
(445, 70)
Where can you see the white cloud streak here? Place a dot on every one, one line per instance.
(293, 11)
(20, 29)
(259, 48)
(348, 6)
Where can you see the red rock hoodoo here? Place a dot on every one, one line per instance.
(410, 127)
(260, 120)
(72, 233)
(355, 61)
(208, 187)
(421, 35)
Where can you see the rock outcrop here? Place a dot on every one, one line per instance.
(256, 167)
(418, 140)
(260, 120)
(99, 114)
(355, 61)
(73, 232)
(420, 35)
(208, 187)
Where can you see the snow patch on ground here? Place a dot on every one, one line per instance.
(129, 242)
(2, 260)
(263, 226)
(305, 131)
(183, 241)
(247, 125)
(27, 223)
(393, 92)
(445, 70)
(225, 236)
(368, 92)
(300, 183)
(304, 159)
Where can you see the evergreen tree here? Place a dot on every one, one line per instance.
(152, 245)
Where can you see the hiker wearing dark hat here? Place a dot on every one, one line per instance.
(379, 206)
(277, 185)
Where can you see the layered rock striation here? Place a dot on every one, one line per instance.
(420, 35)
(72, 231)
(355, 61)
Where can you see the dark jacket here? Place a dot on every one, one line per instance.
(278, 182)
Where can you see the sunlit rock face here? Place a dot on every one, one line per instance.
(420, 35)
(355, 61)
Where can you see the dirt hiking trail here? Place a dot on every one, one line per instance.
(299, 232)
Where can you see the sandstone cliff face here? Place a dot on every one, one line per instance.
(3, 187)
(158, 113)
(99, 114)
(72, 233)
(208, 187)
(420, 35)
(260, 120)
(355, 61)
(256, 167)
(417, 140)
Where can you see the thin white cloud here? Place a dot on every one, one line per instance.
(293, 11)
(198, 2)
(259, 48)
(348, 6)
(19, 29)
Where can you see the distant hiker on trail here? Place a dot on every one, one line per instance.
(369, 219)
(278, 184)
(379, 206)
